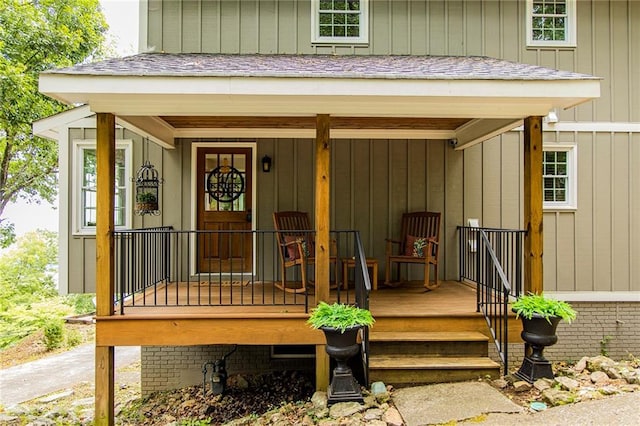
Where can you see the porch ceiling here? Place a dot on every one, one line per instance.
(166, 96)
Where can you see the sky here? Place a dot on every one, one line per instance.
(122, 17)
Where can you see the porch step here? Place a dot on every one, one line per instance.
(416, 369)
(415, 357)
(467, 343)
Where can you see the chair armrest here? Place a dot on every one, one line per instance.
(389, 247)
(433, 246)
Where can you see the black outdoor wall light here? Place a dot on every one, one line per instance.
(266, 164)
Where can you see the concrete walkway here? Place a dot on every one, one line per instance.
(477, 403)
(33, 379)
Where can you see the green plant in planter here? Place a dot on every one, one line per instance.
(146, 197)
(339, 316)
(530, 304)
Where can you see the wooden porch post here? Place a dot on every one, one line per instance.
(104, 367)
(533, 278)
(322, 198)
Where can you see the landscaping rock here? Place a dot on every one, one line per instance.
(599, 363)
(345, 409)
(392, 417)
(580, 365)
(521, 386)
(557, 397)
(599, 377)
(372, 414)
(567, 383)
(319, 400)
(542, 384)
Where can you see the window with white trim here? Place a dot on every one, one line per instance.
(551, 23)
(340, 21)
(559, 177)
(84, 194)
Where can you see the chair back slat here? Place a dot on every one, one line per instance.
(286, 222)
(420, 224)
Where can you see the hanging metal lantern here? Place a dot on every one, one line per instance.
(147, 186)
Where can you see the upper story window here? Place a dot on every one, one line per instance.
(551, 23)
(85, 194)
(559, 177)
(340, 21)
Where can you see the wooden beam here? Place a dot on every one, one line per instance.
(106, 154)
(322, 198)
(322, 368)
(533, 241)
(259, 122)
(104, 386)
(323, 223)
(174, 331)
(154, 128)
(104, 370)
(476, 131)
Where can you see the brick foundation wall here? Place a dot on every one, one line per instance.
(172, 367)
(616, 322)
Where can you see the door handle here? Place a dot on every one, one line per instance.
(249, 215)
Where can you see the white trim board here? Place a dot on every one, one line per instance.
(595, 296)
(589, 126)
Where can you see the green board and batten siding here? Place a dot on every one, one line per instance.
(590, 249)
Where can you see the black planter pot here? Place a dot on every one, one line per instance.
(341, 347)
(538, 333)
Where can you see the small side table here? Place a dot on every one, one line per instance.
(350, 262)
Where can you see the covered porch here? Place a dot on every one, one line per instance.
(168, 97)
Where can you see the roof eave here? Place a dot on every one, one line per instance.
(137, 95)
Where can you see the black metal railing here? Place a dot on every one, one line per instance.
(493, 259)
(362, 290)
(165, 267)
(149, 248)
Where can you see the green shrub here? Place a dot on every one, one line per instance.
(74, 338)
(81, 303)
(53, 334)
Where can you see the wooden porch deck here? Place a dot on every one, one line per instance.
(195, 298)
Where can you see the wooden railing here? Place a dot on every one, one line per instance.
(493, 259)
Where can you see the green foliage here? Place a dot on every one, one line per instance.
(27, 269)
(36, 36)
(81, 303)
(22, 320)
(146, 197)
(339, 316)
(28, 295)
(526, 306)
(73, 338)
(53, 333)
(604, 345)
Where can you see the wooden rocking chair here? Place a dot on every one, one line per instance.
(296, 247)
(419, 244)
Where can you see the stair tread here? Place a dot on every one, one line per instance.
(421, 362)
(427, 336)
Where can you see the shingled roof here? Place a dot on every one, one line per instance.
(320, 66)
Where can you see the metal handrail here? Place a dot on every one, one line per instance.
(363, 289)
(492, 258)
